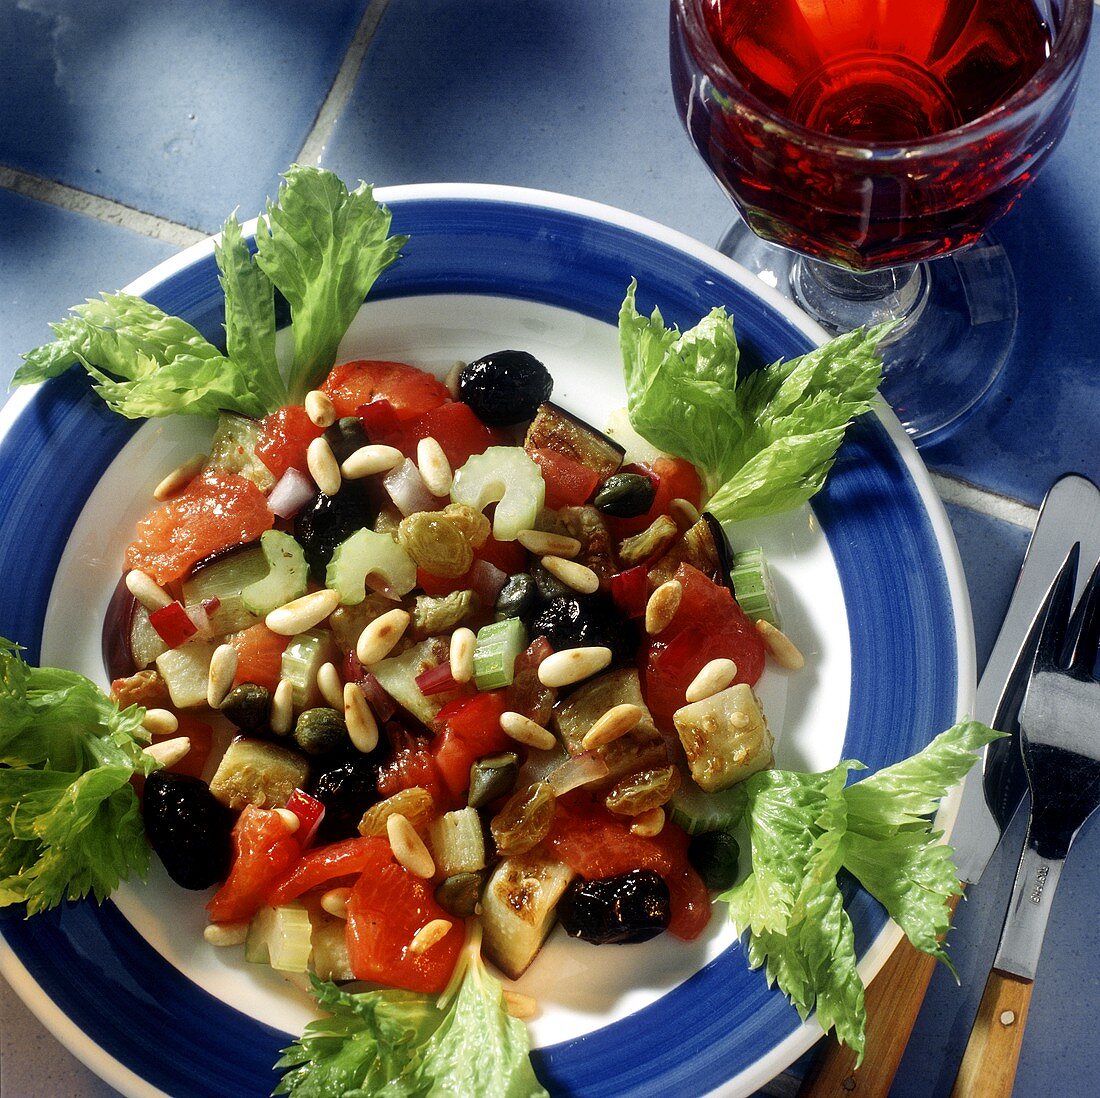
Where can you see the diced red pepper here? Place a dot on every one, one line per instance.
(173, 625)
(411, 764)
(630, 591)
(264, 853)
(380, 421)
(470, 729)
(310, 813)
(325, 866)
(676, 479)
(285, 436)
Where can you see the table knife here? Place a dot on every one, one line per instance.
(991, 793)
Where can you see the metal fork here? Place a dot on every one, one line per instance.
(1060, 741)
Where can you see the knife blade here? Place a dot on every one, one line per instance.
(991, 793)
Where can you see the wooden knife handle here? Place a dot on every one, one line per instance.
(988, 1066)
(893, 1000)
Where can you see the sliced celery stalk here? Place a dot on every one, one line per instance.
(508, 477)
(697, 811)
(458, 843)
(286, 578)
(281, 937)
(752, 584)
(368, 553)
(302, 659)
(495, 653)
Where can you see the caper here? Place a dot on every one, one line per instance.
(625, 495)
(646, 789)
(525, 820)
(714, 856)
(248, 706)
(517, 598)
(492, 777)
(548, 586)
(460, 894)
(320, 731)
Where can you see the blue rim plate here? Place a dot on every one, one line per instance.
(143, 1025)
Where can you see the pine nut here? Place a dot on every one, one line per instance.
(290, 820)
(520, 1006)
(430, 934)
(662, 606)
(358, 716)
(408, 847)
(223, 668)
(542, 543)
(649, 823)
(578, 576)
(377, 640)
(616, 722)
(282, 708)
(368, 460)
(451, 380)
(573, 664)
(323, 466)
(463, 642)
(168, 752)
(780, 647)
(435, 469)
(684, 513)
(179, 478)
(146, 590)
(526, 731)
(225, 934)
(319, 408)
(160, 722)
(303, 613)
(328, 682)
(335, 902)
(713, 678)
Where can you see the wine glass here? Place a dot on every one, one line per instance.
(875, 141)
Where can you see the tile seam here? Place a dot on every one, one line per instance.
(316, 142)
(962, 493)
(97, 207)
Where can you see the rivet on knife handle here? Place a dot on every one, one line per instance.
(988, 1068)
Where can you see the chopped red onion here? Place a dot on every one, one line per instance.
(579, 770)
(407, 489)
(293, 491)
(487, 580)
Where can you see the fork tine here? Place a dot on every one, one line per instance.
(1055, 613)
(1084, 627)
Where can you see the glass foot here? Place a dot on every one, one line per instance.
(957, 320)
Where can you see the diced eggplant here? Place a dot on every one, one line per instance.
(224, 578)
(652, 541)
(330, 958)
(457, 842)
(398, 674)
(553, 428)
(703, 546)
(186, 672)
(518, 909)
(642, 748)
(259, 773)
(597, 551)
(725, 738)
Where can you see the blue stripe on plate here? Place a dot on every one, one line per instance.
(149, 1016)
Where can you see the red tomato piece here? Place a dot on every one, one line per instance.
(264, 853)
(218, 510)
(348, 858)
(470, 730)
(285, 436)
(379, 421)
(411, 764)
(259, 656)
(708, 625)
(569, 483)
(458, 430)
(386, 908)
(410, 391)
(201, 736)
(677, 480)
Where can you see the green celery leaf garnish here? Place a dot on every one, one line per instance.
(804, 828)
(763, 442)
(323, 247)
(70, 825)
(402, 1045)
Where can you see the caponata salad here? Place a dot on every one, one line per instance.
(415, 669)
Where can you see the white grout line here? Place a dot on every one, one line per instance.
(962, 493)
(102, 209)
(319, 136)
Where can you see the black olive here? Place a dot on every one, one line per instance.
(632, 907)
(346, 436)
(714, 856)
(625, 495)
(346, 790)
(188, 828)
(326, 521)
(505, 388)
(248, 706)
(579, 621)
(517, 598)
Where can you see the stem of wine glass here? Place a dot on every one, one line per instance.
(840, 300)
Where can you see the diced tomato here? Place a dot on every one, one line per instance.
(508, 556)
(264, 853)
(326, 864)
(569, 483)
(259, 656)
(630, 591)
(412, 392)
(677, 480)
(218, 510)
(708, 625)
(386, 908)
(596, 844)
(458, 430)
(411, 764)
(470, 729)
(201, 736)
(380, 421)
(285, 436)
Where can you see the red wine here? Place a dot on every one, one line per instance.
(880, 70)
